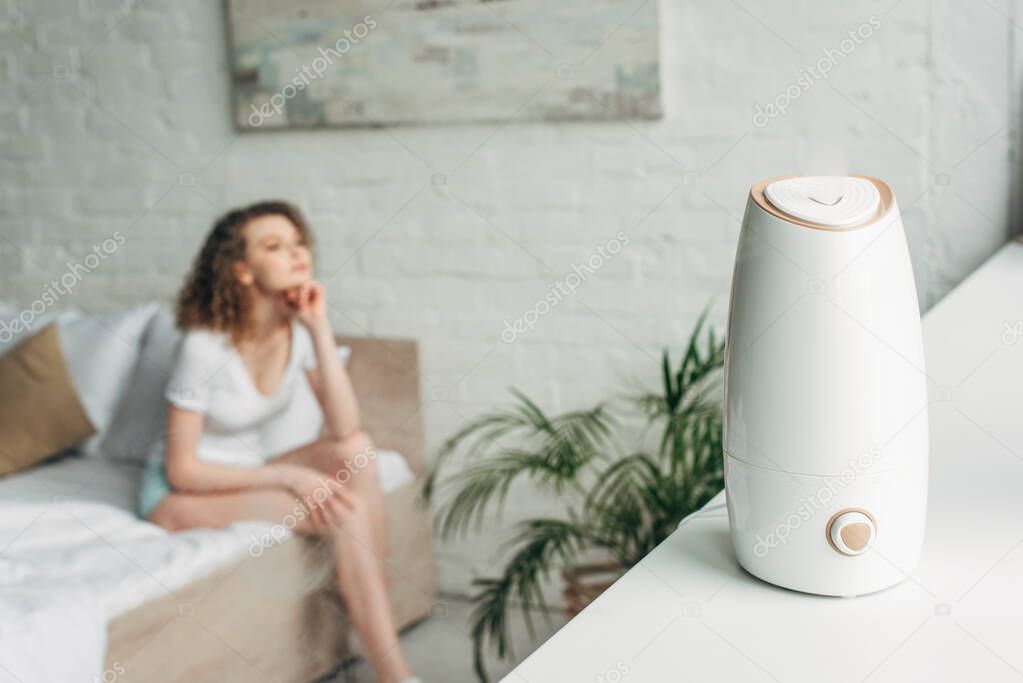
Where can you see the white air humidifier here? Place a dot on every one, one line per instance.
(825, 390)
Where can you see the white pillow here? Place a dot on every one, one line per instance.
(101, 351)
(140, 419)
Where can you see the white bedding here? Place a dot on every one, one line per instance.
(74, 554)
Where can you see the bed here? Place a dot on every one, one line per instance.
(206, 605)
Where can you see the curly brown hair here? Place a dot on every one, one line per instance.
(212, 297)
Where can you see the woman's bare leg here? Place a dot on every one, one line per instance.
(351, 462)
(180, 511)
(364, 590)
(359, 578)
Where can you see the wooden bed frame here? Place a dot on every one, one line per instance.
(278, 617)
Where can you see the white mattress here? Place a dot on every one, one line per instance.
(74, 553)
(75, 519)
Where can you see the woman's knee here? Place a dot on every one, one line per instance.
(354, 443)
(354, 452)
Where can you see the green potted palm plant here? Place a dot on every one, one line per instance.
(626, 501)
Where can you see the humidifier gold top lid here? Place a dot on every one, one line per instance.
(825, 202)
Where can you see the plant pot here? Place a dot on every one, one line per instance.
(583, 583)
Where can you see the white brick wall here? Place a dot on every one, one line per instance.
(102, 116)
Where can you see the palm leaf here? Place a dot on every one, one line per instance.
(538, 544)
(565, 444)
(487, 483)
(474, 438)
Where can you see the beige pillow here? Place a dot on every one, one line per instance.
(40, 413)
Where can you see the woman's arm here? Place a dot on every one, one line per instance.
(333, 388)
(329, 379)
(187, 473)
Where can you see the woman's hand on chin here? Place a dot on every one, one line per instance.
(308, 303)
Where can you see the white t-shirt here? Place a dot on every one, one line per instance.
(244, 427)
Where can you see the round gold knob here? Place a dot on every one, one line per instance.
(851, 531)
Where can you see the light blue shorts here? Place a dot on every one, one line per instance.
(153, 487)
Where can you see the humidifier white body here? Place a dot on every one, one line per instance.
(825, 434)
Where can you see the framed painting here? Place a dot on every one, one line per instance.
(317, 63)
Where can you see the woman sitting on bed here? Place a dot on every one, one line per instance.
(256, 327)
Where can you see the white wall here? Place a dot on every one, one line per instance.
(104, 108)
